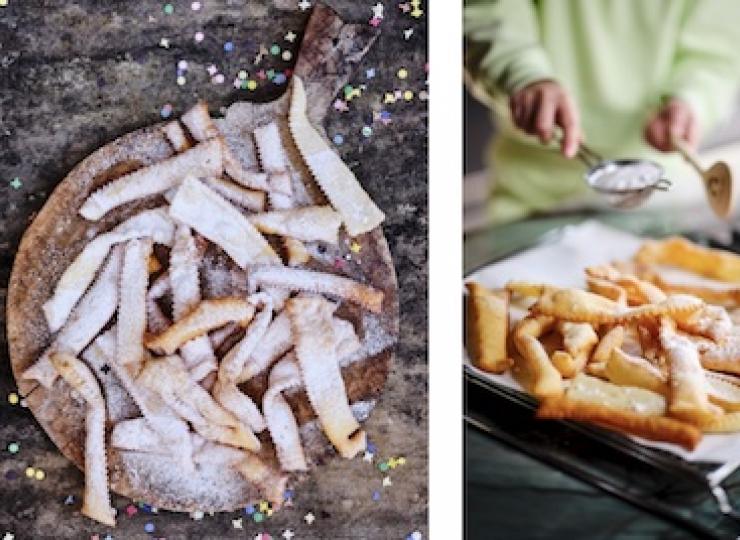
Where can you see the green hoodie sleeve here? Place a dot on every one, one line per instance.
(705, 66)
(503, 51)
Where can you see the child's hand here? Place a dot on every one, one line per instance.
(538, 107)
(675, 119)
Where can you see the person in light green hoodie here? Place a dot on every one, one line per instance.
(620, 75)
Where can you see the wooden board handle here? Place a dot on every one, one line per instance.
(328, 56)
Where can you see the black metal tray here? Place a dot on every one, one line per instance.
(696, 497)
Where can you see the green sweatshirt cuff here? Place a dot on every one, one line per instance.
(528, 66)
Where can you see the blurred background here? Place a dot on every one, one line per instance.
(723, 142)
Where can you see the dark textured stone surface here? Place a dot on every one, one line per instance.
(74, 76)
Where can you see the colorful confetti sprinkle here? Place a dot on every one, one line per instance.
(195, 6)
(288, 534)
(408, 95)
(402, 73)
(69, 500)
(181, 80)
(149, 527)
(199, 36)
(4, 3)
(408, 33)
(249, 510)
(275, 49)
(355, 248)
(169, 9)
(228, 46)
(258, 517)
(251, 85)
(290, 36)
(367, 131)
(16, 183)
(165, 112)
(131, 510)
(387, 481)
(237, 523)
(164, 42)
(30, 472)
(13, 397)
(287, 56)
(416, 535)
(309, 518)
(14, 447)
(338, 139)
(263, 536)
(376, 496)
(370, 73)
(303, 5)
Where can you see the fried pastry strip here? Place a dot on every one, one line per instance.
(676, 251)
(170, 429)
(628, 370)
(603, 351)
(592, 390)
(533, 369)
(723, 296)
(654, 428)
(688, 397)
(251, 199)
(311, 323)
(78, 275)
(638, 291)
(722, 358)
(236, 171)
(199, 123)
(270, 148)
(710, 321)
(727, 423)
(233, 363)
(169, 378)
(157, 321)
(132, 302)
(207, 316)
(185, 285)
(96, 501)
(201, 160)
(581, 306)
(306, 223)
(318, 282)
(225, 391)
(176, 135)
(579, 339)
(91, 314)
(607, 289)
(119, 403)
(135, 434)
(277, 341)
(215, 218)
(341, 187)
(488, 328)
(281, 423)
(724, 390)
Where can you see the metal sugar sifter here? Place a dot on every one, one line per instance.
(623, 183)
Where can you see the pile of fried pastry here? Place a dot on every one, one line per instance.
(637, 352)
(133, 300)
